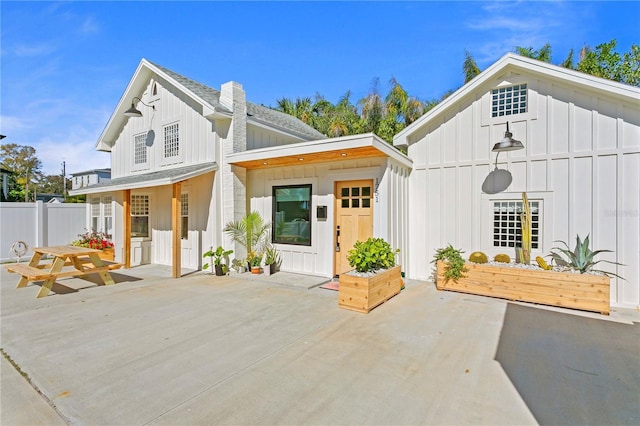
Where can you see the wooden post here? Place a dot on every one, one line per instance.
(176, 246)
(126, 208)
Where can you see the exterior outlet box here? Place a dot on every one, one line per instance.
(321, 212)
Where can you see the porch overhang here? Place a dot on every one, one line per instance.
(147, 180)
(320, 151)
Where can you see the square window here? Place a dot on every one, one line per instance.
(345, 203)
(345, 192)
(366, 191)
(355, 192)
(355, 202)
(291, 223)
(506, 223)
(512, 100)
(366, 203)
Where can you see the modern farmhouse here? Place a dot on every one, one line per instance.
(186, 159)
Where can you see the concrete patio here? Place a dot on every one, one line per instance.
(278, 350)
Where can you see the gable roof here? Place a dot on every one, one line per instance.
(207, 97)
(255, 112)
(517, 63)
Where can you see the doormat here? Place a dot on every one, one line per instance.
(332, 285)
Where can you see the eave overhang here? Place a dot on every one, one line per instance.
(148, 180)
(321, 151)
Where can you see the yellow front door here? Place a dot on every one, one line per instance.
(354, 218)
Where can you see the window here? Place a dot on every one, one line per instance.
(509, 100)
(171, 141)
(184, 216)
(108, 215)
(139, 215)
(95, 214)
(140, 149)
(506, 223)
(356, 197)
(291, 214)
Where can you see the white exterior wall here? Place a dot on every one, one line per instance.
(196, 134)
(261, 137)
(318, 259)
(581, 158)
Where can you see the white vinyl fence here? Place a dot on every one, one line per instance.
(39, 224)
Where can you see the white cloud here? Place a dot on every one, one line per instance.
(10, 124)
(76, 149)
(89, 26)
(25, 50)
(511, 24)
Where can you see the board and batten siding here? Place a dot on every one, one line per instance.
(390, 183)
(260, 137)
(197, 136)
(581, 160)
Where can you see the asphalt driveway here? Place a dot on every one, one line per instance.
(223, 350)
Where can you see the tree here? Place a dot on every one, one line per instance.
(469, 67)
(605, 62)
(23, 162)
(544, 54)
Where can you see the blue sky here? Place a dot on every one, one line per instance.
(65, 65)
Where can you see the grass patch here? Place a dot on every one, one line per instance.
(15, 365)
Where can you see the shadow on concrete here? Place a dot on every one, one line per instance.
(571, 369)
(73, 283)
(117, 278)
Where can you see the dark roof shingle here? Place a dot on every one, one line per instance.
(256, 112)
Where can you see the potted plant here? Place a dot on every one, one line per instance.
(96, 240)
(376, 277)
(218, 256)
(271, 258)
(239, 265)
(251, 232)
(254, 260)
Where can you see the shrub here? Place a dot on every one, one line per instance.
(454, 263)
(371, 255)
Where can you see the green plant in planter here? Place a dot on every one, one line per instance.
(271, 255)
(255, 259)
(238, 264)
(250, 232)
(218, 256)
(454, 263)
(371, 255)
(581, 258)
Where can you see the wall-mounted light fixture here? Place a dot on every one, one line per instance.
(133, 112)
(507, 143)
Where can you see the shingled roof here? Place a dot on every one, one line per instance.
(256, 112)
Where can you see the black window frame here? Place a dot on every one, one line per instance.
(274, 203)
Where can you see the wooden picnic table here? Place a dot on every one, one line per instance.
(68, 261)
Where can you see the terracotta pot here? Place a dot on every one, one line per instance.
(255, 270)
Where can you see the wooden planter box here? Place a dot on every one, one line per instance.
(568, 290)
(363, 294)
(107, 254)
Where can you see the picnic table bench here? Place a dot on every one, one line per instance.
(68, 261)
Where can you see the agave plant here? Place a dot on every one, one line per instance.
(581, 258)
